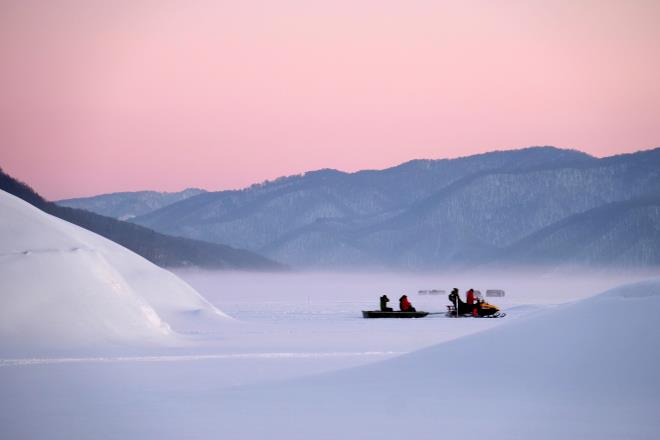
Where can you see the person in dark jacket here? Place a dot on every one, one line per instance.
(404, 304)
(455, 300)
(453, 296)
(383, 304)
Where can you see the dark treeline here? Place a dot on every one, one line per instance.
(161, 249)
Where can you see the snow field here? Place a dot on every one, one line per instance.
(584, 369)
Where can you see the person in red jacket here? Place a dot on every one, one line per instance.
(404, 304)
(471, 303)
(470, 297)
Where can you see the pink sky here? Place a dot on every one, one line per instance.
(105, 96)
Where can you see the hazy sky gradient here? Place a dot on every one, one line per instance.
(104, 96)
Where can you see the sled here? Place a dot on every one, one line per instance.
(393, 314)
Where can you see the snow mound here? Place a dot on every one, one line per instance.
(642, 289)
(63, 287)
(583, 370)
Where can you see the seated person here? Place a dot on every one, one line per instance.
(404, 304)
(383, 304)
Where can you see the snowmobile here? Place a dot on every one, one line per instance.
(481, 309)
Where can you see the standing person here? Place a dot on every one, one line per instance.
(383, 304)
(470, 297)
(404, 304)
(470, 302)
(455, 300)
(453, 296)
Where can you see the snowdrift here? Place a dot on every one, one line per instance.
(63, 287)
(585, 370)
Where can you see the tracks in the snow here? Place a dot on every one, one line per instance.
(17, 362)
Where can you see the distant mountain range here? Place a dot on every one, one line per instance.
(540, 205)
(126, 205)
(158, 248)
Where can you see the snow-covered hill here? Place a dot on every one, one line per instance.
(63, 287)
(162, 250)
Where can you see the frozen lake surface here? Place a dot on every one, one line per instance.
(294, 324)
(321, 312)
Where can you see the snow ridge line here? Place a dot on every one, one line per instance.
(46, 251)
(187, 358)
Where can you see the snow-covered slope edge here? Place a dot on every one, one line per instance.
(63, 287)
(587, 370)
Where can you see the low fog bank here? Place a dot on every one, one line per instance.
(311, 312)
(545, 286)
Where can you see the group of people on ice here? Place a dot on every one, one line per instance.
(404, 304)
(472, 306)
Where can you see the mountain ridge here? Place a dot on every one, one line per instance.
(422, 213)
(128, 204)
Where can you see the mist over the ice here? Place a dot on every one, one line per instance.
(362, 288)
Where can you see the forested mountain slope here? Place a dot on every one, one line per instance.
(126, 205)
(424, 213)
